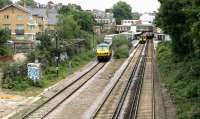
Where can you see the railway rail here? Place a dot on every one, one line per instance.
(145, 104)
(113, 101)
(56, 100)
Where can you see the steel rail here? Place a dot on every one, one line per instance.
(127, 88)
(110, 91)
(135, 102)
(137, 71)
(59, 92)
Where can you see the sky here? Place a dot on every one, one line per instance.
(137, 5)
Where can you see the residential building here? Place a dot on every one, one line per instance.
(147, 18)
(25, 22)
(102, 17)
(105, 19)
(21, 22)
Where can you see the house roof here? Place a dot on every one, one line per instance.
(50, 14)
(41, 12)
(17, 6)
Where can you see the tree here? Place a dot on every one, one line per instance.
(136, 15)
(45, 39)
(4, 3)
(5, 35)
(176, 18)
(27, 2)
(84, 19)
(68, 28)
(122, 10)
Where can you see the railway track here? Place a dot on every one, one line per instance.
(113, 101)
(56, 100)
(145, 103)
(142, 101)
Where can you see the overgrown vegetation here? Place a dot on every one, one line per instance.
(179, 61)
(180, 19)
(5, 35)
(5, 2)
(182, 78)
(74, 46)
(121, 47)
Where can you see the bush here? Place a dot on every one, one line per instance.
(122, 52)
(182, 78)
(5, 51)
(121, 47)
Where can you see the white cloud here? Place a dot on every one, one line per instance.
(137, 5)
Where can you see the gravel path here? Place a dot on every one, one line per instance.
(79, 103)
(164, 107)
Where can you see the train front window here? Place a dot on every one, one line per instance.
(103, 46)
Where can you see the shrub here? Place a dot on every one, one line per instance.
(121, 47)
(5, 51)
(182, 78)
(122, 52)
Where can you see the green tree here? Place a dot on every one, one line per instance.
(5, 35)
(27, 2)
(4, 3)
(67, 27)
(45, 39)
(136, 15)
(84, 19)
(122, 10)
(176, 19)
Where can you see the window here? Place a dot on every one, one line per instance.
(7, 26)
(20, 27)
(31, 27)
(30, 37)
(6, 17)
(20, 17)
(30, 17)
(19, 37)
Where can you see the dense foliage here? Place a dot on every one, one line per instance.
(4, 3)
(122, 10)
(83, 18)
(27, 3)
(5, 35)
(74, 43)
(121, 47)
(182, 79)
(136, 15)
(181, 20)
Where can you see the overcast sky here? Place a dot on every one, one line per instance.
(137, 5)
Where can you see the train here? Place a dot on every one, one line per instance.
(145, 36)
(103, 52)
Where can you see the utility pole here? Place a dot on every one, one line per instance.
(57, 59)
(93, 41)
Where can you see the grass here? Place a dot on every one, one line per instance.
(24, 87)
(182, 78)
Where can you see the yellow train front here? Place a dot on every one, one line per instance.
(142, 40)
(103, 52)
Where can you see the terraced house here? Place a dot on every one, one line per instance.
(25, 22)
